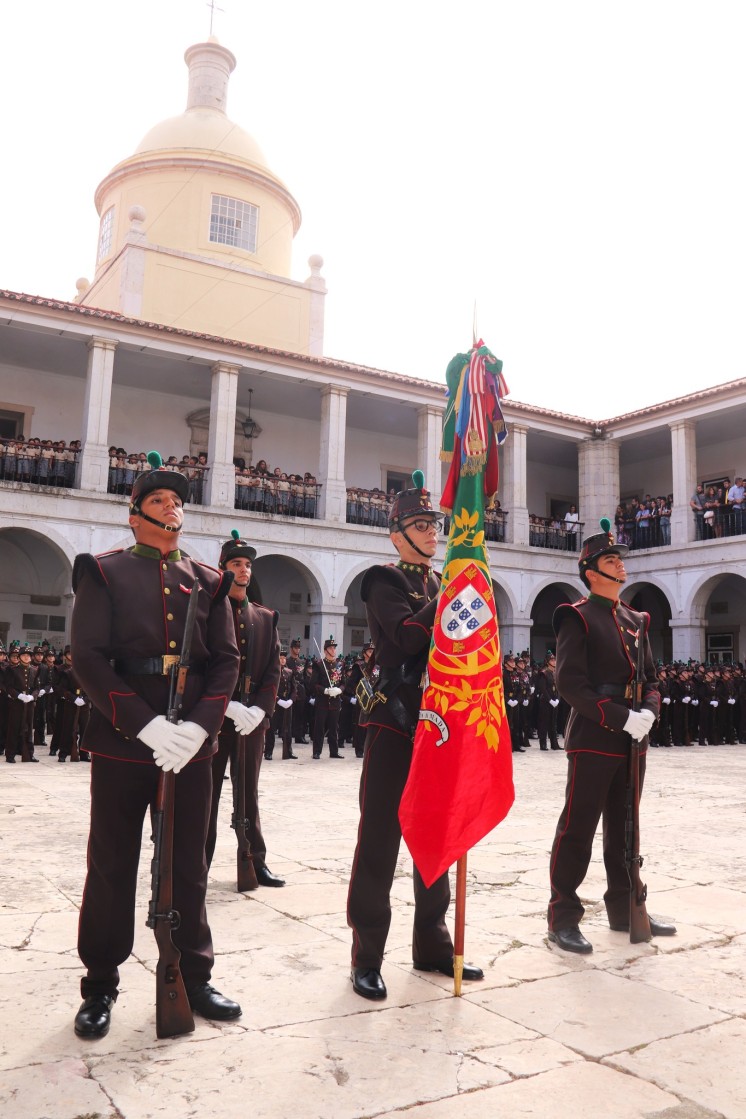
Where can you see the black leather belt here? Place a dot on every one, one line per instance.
(153, 666)
(618, 691)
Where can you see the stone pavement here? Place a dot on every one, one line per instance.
(654, 1030)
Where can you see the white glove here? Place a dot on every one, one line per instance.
(79, 701)
(186, 743)
(27, 698)
(41, 692)
(312, 701)
(247, 719)
(285, 703)
(686, 699)
(525, 703)
(533, 690)
(332, 692)
(695, 703)
(158, 734)
(639, 723)
(512, 703)
(353, 701)
(714, 703)
(554, 702)
(731, 700)
(666, 699)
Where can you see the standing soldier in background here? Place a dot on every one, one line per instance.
(73, 709)
(281, 721)
(22, 689)
(363, 666)
(546, 687)
(43, 684)
(597, 641)
(3, 696)
(253, 702)
(512, 688)
(127, 631)
(326, 689)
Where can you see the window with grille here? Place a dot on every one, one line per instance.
(233, 222)
(105, 234)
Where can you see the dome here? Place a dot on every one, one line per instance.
(203, 130)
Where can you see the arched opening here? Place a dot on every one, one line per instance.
(721, 604)
(35, 592)
(356, 622)
(651, 599)
(285, 585)
(542, 611)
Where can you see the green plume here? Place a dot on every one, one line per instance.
(155, 460)
(235, 534)
(419, 479)
(605, 524)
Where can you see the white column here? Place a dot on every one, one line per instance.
(689, 639)
(221, 485)
(684, 472)
(429, 438)
(315, 283)
(598, 482)
(513, 485)
(326, 621)
(332, 504)
(515, 636)
(93, 464)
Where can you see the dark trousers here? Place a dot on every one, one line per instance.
(254, 754)
(547, 725)
(19, 738)
(596, 785)
(121, 794)
(325, 722)
(279, 725)
(384, 774)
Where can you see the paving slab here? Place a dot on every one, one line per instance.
(629, 1032)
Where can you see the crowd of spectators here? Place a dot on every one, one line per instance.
(45, 462)
(372, 508)
(719, 509)
(562, 534)
(124, 468)
(644, 522)
(261, 490)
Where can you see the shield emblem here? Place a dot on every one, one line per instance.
(466, 615)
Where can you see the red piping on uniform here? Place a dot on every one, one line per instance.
(124, 695)
(564, 833)
(411, 622)
(355, 938)
(599, 704)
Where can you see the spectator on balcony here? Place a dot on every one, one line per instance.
(309, 495)
(697, 505)
(620, 524)
(713, 525)
(571, 528)
(261, 467)
(664, 514)
(643, 519)
(736, 502)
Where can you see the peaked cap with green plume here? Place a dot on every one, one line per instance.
(158, 479)
(412, 502)
(236, 548)
(600, 544)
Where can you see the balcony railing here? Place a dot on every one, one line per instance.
(728, 521)
(122, 479)
(39, 469)
(494, 526)
(557, 536)
(278, 499)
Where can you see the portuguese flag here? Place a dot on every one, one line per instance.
(460, 784)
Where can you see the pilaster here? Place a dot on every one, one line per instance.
(429, 438)
(332, 504)
(93, 462)
(513, 488)
(684, 473)
(220, 487)
(598, 481)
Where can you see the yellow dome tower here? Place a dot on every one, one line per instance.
(196, 231)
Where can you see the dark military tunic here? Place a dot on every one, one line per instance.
(281, 722)
(20, 679)
(130, 609)
(255, 629)
(596, 665)
(401, 601)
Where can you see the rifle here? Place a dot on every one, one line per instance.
(639, 922)
(173, 1014)
(74, 748)
(246, 878)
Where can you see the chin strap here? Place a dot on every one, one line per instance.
(412, 544)
(603, 575)
(137, 512)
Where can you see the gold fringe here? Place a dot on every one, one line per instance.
(473, 465)
(446, 456)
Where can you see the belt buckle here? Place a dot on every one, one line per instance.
(629, 692)
(170, 660)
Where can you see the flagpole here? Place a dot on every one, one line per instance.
(458, 933)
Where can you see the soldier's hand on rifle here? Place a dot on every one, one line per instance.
(247, 719)
(332, 692)
(158, 734)
(79, 701)
(639, 723)
(187, 740)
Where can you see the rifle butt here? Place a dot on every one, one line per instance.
(173, 1014)
(246, 878)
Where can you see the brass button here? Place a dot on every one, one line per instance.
(172, 644)
(169, 617)
(242, 626)
(243, 640)
(165, 567)
(166, 590)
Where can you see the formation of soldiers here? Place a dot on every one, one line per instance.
(700, 703)
(40, 695)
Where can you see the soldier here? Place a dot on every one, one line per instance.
(281, 721)
(73, 711)
(44, 684)
(3, 697)
(363, 666)
(253, 702)
(596, 662)
(22, 689)
(511, 688)
(546, 687)
(127, 626)
(400, 601)
(326, 688)
(660, 734)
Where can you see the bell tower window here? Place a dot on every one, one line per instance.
(105, 234)
(233, 222)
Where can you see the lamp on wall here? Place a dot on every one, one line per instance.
(250, 427)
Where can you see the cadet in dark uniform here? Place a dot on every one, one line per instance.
(400, 600)
(596, 665)
(363, 666)
(129, 615)
(3, 697)
(511, 688)
(281, 721)
(546, 687)
(73, 711)
(326, 689)
(255, 629)
(22, 689)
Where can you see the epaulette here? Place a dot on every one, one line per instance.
(87, 563)
(391, 573)
(568, 610)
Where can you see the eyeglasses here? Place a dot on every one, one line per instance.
(423, 525)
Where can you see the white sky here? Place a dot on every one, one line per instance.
(577, 168)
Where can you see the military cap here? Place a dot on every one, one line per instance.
(295, 643)
(600, 544)
(330, 643)
(236, 548)
(283, 651)
(367, 645)
(413, 502)
(158, 479)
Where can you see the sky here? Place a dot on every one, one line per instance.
(574, 170)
